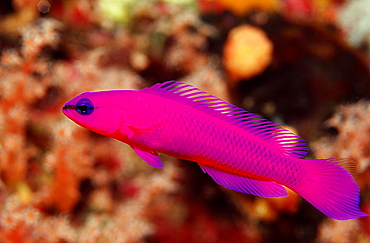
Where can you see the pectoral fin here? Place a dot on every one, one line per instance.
(145, 129)
(151, 157)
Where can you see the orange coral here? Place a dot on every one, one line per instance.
(20, 90)
(71, 163)
(240, 7)
(247, 52)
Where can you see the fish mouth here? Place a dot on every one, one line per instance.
(67, 110)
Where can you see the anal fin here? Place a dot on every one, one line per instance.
(246, 185)
(151, 157)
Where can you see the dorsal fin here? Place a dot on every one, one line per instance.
(350, 165)
(283, 139)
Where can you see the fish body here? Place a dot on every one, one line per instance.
(238, 149)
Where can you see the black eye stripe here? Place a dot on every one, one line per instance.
(71, 107)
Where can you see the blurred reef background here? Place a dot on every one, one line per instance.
(303, 64)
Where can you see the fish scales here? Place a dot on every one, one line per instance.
(216, 143)
(238, 149)
(200, 136)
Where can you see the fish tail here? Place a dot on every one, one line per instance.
(331, 188)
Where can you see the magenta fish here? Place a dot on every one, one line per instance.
(238, 149)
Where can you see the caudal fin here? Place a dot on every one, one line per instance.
(331, 189)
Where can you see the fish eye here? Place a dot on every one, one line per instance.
(84, 107)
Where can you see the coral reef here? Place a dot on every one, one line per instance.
(340, 231)
(62, 183)
(349, 128)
